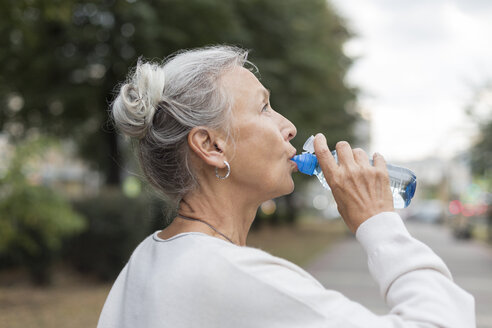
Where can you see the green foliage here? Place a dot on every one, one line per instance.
(62, 59)
(480, 111)
(482, 152)
(34, 219)
(116, 225)
(297, 46)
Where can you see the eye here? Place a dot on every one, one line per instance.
(265, 107)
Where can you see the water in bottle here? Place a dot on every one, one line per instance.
(402, 181)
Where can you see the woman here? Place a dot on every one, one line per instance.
(210, 141)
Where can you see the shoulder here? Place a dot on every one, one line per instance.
(192, 250)
(214, 259)
(203, 270)
(263, 265)
(245, 259)
(254, 269)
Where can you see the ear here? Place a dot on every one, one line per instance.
(208, 144)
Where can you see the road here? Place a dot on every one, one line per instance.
(344, 268)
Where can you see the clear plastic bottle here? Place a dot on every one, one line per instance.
(402, 181)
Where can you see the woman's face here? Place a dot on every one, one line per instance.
(260, 160)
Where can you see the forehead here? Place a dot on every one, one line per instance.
(244, 87)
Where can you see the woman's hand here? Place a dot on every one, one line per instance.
(360, 190)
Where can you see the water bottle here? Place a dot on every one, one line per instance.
(402, 181)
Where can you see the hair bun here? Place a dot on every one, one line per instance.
(137, 101)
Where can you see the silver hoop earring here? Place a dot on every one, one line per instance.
(227, 174)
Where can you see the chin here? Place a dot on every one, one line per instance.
(276, 188)
(291, 190)
(286, 189)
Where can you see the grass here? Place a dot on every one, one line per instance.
(75, 301)
(70, 302)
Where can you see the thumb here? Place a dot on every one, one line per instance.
(324, 156)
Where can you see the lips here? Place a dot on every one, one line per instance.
(291, 157)
(292, 154)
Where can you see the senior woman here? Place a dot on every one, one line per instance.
(210, 141)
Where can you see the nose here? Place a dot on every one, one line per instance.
(288, 129)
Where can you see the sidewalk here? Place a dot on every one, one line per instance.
(344, 268)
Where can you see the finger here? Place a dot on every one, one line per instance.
(379, 161)
(345, 155)
(380, 164)
(325, 158)
(361, 157)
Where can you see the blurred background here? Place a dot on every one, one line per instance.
(411, 80)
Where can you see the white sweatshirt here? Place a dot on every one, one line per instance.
(196, 280)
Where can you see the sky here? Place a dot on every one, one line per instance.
(418, 65)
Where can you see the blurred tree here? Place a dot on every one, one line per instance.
(480, 109)
(297, 46)
(33, 218)
(482, 152)
(61, 61)
(482, 165)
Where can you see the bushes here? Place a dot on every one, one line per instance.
(37, 224)
(33, 223)
(34, 219)
(116, 224)
(95, 235)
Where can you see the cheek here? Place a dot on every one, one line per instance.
(259, 150)
(257, 169)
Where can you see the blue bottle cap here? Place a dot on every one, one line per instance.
(306, 163)
(410, 190)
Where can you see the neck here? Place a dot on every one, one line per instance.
(228, 215)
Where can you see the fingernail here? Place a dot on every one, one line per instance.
(321, 140)
(342, 142)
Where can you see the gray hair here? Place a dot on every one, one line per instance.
(160, 103)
